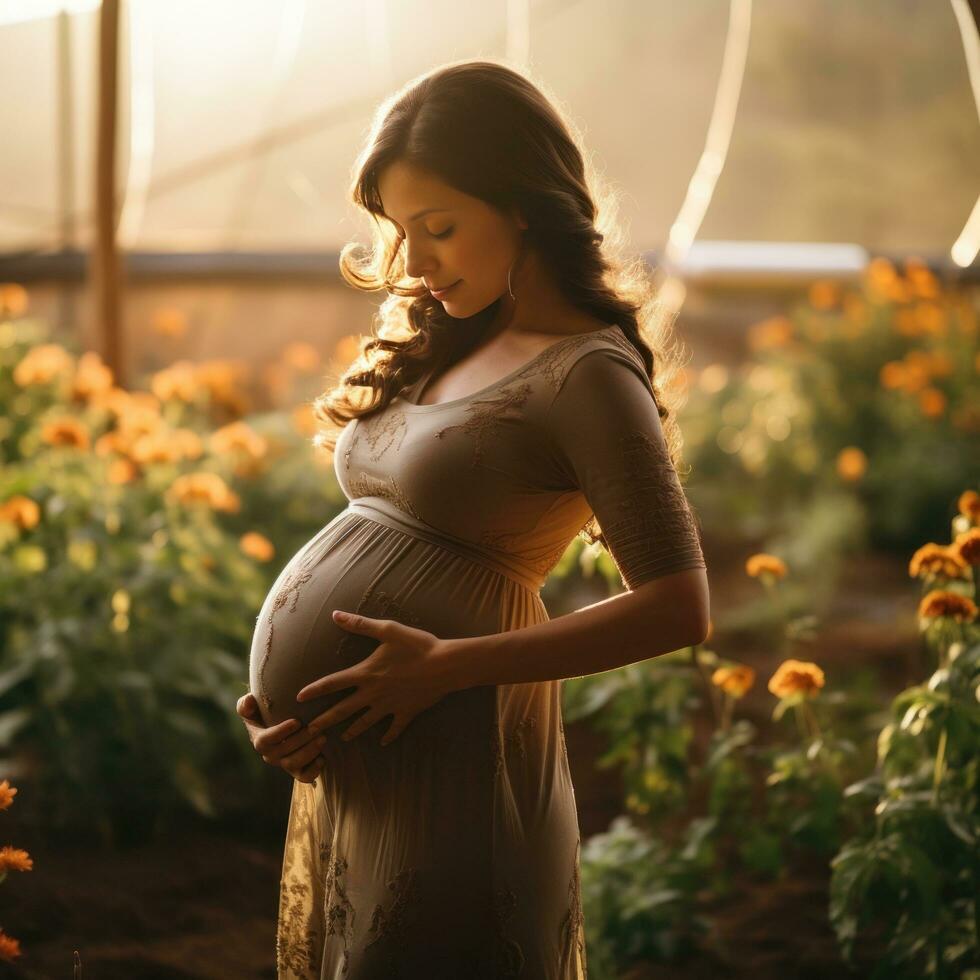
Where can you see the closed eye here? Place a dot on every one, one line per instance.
(444, 234)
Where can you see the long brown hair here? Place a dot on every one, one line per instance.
(487, 131)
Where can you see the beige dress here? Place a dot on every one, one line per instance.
(453, 852)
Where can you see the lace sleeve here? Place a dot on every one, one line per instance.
(606, 439)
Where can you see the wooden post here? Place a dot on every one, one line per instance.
(105, 258)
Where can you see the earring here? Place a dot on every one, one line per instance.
(509, 290)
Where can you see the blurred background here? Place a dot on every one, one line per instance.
(802, 181)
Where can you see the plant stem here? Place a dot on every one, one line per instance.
(938, 770)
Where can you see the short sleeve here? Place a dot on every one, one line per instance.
(605, 438)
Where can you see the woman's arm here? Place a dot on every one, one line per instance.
(659, 616)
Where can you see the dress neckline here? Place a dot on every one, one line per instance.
(420, 384)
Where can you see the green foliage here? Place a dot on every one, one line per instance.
(884, 374)
(126, 614)
(913, 875)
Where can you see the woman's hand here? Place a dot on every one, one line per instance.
(405, 674)
(287, 744)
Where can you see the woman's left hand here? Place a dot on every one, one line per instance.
(405, 674)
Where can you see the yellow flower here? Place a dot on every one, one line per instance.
(14, 859)
(154, 447)
(940, 603)
(765, 564)
(207, 488)
(257, 546)
(13, 299)
(735, 681)
(851, 463)
(42, 364)
(936, 560)
(9, 947)
(796, 677)
(65, 431)
(969, 505)
(20, 510)
(91, 376)
(7, 794)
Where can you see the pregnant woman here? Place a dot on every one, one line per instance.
(512, 398)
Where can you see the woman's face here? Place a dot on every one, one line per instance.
(451, 239)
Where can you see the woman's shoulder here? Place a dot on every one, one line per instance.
(613, 352)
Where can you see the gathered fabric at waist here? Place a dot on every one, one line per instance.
(383, 511)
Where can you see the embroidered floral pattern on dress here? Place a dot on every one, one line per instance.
(572, 931)
(513, 542)
(365, 485)
(384, 431)
(339, 913)
(290, 587)
(353, 443)
(513, 741)
(485, 414)
(646, 539)
(391, 924)
(299, 932)
(508, 955)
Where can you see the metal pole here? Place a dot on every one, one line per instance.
(105, 257)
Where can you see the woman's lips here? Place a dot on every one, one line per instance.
(439, 294)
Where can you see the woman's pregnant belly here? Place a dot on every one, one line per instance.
(357, 564)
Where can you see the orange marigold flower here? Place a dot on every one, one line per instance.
(924, 283)
(20, 510)
(239, 437)
(65, 431)
(765, 564)
(207, 488)
(155, 447)
(14, 859)
(824, 294)
(257, 546)
(7, 794)
(734, 680)
(42, 364)
(796, 677)
(303, 420)
(967, 546)
(116, 441)
(932, 402)
(969, 505)
(13, 299)
(851, 463)
(175, 383)
(937, 560)
(187, 443)
(774, 332)
(121, 471)
(940, 603)
(170, 322)
(301, 356)
(91, 376)
(9, 947)
(892, 375)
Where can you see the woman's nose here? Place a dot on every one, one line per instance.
(417, 264)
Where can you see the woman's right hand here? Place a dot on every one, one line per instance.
(288, 744)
